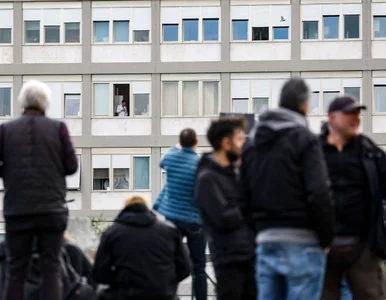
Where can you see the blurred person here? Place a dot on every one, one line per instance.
(176, 203)
(357, 169)
(36, 154)
(231, 241)
(286, 196)
(122, 109)
(140, 257)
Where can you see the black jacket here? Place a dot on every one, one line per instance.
(37, 154)
(374, 162)
(141, 256)
(284, 177)
(217, 190)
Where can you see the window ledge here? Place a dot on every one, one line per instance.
(379, 39)
(119, 191)
(261, 42)
(6, 44)
(121, 118)
(189, 43)
(188, 117)
(72, 118)
(331, 40)
(381, 114)
(53, 45)
(121, 44)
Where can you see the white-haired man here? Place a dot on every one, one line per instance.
(36, 154)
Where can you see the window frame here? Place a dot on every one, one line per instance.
(359, 29)
(64, 106)
(79, 188)
(378, 84)
(112, 109)
(200, 98)
(11, 42)
(8, 85)
(373, 37)
(131, 174)
(45, 35)
(64, 33)
(340, 16)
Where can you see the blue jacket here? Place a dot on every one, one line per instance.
(176, 200)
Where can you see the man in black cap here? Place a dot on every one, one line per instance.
(357, 170)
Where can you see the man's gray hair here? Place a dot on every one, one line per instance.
(35, 94)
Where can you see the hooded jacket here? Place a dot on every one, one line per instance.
(217, 190)
(284, 177)
(140, 256)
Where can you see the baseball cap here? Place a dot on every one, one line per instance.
(346, 104)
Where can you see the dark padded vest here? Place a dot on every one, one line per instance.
(33, 169)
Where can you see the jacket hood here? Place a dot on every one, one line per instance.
(136, 215)
(273, 122)
(207, 162)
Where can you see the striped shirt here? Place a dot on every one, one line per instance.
(176, 200)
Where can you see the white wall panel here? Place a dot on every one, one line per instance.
(172, 126)
(52, 54)
(190, 52)
(170, 15)
(310, 12)
(239, 12)
(51, 16)
(101, 14)
(260, 15)
(211, 12)
(32, 14)
(378, 9)
(260, 88)
(331, 85)
(261, 51)
(278, 11)
(121, 126)
(331, 50)
(121, 161)
(73, 181)
(141, 87)
(121, 13)
(101, 161)
(72, 87)
(72, 15)
(352, 82)
(55, 108)
(277, 85)
(141, 18)
(240, 88)
(6, 18)
(377, 81)
(120, 53)
(314, 84)
(352, 9)
(115, 200)
(331, 9)
(190, 12)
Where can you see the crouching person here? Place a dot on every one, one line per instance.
(140, 256)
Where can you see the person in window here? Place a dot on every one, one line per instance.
(122, 109)
(36, 154)
(140, 256)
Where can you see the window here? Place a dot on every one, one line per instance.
(141, 104)
(121, 31)
(327, 99)
(32, 32)
(52, 34)
(73, 181)
(141, 35)
(72, 32)
(190, 30)
(259, 105)
(354, 92)
(101, 99)
(260, 33)
(331, 27)
(380, 26)
(210, 95)
(210, 29)
(72, 105)
(122, 93)
(170, 105)
(101, 31)
(5, 35)
(190, 98)
(240, 105)
(5, 102)
(240, 30)
(314, 104)
(170, 32)
(310, 30)
(380, 98)
(280, 33)
(351, 27)
(126, 172)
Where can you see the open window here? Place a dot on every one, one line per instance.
(121, 100)
(73, 181)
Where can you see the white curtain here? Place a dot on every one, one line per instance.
(170, 99)
(190, 98)
(210, 92)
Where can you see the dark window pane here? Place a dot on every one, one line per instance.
(380, 27)
(327, 99)
(310, 30)
(52, 34)
(32, 32)
(72, 32)
(331, 27)
(190, 30)
(240, 30)
(354, 92)
(210, 29)
(141, 173)
(101, 179)
(5, 102)
(170, 32)
(121, 31)
(101, 31)
(260, 33)
(5, 35)
(280, 33)
(351, 27)
(141, 35)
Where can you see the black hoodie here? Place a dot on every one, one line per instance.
(140, 256)
(284, 177)
(217, 192)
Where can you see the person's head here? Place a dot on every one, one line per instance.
(35, 95)
(188, 138)
(135, 200)
(123, 102)
(226, 134)
(344, 116)
(295, 96)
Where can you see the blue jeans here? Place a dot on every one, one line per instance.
(290, 271)
(346, 292)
